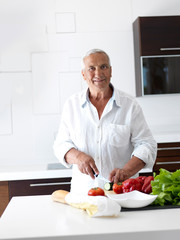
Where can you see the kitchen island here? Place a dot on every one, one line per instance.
(39, 179)
(38, 217)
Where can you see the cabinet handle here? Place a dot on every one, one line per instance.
(169, 148)
(48, 184)
(169, 49)
(173, 162)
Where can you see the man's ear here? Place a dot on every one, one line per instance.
(82, 72)
(111, 71)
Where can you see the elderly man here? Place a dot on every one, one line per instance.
(103, 130)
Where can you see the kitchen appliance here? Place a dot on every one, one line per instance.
(160, 74)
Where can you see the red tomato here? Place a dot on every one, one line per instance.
(117, 188)
(96, 192)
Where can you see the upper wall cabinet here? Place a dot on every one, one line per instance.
(156, 47)
(157, 35)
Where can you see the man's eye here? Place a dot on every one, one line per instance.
(91, 69)
(104, 66)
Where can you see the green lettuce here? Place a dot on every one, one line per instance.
(167, 186)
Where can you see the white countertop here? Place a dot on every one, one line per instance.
(38, 217)
(166, 136)
(166, 133)
(39, 171)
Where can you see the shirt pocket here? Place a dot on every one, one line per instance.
(119, 135)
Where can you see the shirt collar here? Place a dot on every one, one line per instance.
(85, 97)
(115, 97)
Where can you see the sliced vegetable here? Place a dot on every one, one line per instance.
(108, 186)
(96, 192)
(117, 188)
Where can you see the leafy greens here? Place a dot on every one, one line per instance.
(167, 186)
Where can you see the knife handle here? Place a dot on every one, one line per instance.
(96, 175)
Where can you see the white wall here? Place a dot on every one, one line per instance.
(41, 45)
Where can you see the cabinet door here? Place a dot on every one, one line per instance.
(38, 187)
(4, 196)
(168, 157)
(159, 35)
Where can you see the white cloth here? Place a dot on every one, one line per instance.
(111, 141)
(95, 206)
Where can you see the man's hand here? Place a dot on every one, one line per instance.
(132, 167)
(119, 175)
(85, 163)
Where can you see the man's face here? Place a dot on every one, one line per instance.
(97, 71)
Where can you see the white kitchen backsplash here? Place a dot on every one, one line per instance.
(41, 45)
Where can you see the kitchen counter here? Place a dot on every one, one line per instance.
(38, 217)
(167, 135)
(39, 171)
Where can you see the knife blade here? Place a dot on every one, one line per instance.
(101, 177)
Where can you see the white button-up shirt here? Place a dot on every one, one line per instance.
(111, 140)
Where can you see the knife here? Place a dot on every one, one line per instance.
(101, 177)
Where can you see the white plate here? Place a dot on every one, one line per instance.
(134, 199)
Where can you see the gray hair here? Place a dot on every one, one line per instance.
(93, 51)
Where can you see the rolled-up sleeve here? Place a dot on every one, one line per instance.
(145, 146)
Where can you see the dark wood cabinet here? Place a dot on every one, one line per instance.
(9, 189)
(4, 196)
(168, 157)
(157, 35)
(153, 37)
(37, 186)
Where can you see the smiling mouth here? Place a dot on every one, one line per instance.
(98, 80)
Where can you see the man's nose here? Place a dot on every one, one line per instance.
(98, 72)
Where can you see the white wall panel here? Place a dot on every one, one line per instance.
(155, 8)
(44, 128)
(17, 147)
(45, 68)
(5, 105)
(98, 15)
(23, 25)
(65, 22)
(75, 64)
(69, 83)
(161, 112)
(15, 62)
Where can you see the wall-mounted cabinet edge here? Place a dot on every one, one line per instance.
(154, 36)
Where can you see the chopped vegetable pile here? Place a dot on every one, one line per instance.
(167, 186)
(142, 184)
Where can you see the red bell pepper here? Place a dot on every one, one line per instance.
(141, 179)
(147, 188)
(130, 185)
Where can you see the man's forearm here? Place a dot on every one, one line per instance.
(71, 156)
(134, 165)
